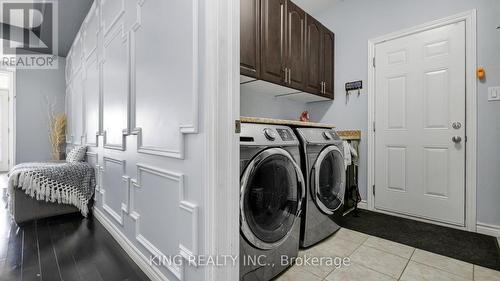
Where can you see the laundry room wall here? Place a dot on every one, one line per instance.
(355, 22)
(134, 97)
(255, 104)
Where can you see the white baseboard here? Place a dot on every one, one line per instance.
(363, 205)
(488, 229)
(134, 253)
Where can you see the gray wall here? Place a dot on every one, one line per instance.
(32, 89)
(259, 105)
(356, 21)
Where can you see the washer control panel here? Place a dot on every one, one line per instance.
(327, 135)
(269, 134)
(285, 134)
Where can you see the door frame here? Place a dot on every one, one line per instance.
(469, 17)
(12, 115)
(221, 95)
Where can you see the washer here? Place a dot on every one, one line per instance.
(324, 172)
(271, 196)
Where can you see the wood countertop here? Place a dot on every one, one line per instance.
(345, 134)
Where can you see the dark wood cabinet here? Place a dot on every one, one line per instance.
(295, 46)
(273, 30)
(283, 45)
(313, 56)
(328, 61)
(320, 44)
(250, 38)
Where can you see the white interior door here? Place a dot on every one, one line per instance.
(4, 130)
(420, 124)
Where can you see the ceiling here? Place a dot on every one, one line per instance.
(314, 7)
(71, 14)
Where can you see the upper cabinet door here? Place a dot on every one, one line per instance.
(313, 56)
(273, 30)
(250, 38)
(295, 46)
(328, 61)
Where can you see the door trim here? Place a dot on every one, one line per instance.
(469, 17)
(220, 92)
(12, 115)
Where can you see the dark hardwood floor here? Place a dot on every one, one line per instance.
(65, 248)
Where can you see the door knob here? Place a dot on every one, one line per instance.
(456, 139)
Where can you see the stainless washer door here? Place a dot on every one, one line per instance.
(272, 191)
(328, 188)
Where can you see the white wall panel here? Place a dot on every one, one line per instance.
(115, 188)
(158, 198)
(163, 76)
(68, 111)
(115, 83)
(133, 83)
(91, 100)
(91, 33)
(77, 108)
(77, 54)
(112, 11)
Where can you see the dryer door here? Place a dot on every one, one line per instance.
(328, 175)
(272, 190)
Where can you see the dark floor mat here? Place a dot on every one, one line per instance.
(470, 247)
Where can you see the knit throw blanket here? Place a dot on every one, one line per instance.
(64, 183)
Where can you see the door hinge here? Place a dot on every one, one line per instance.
(373, 190)
(373, 61)
(237, 126)
(374, 126)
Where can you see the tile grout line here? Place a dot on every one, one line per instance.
(407, 263)
(362, 243)
(390, 252)
(446, 271)
(357, 247)
(349, 256)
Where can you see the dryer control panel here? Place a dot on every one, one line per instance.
(318, 136)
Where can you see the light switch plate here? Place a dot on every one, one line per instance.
(494, 94)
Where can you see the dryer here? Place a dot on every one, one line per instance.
(272, 190)
(324, 173)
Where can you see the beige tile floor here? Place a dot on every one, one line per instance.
(373, 259)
